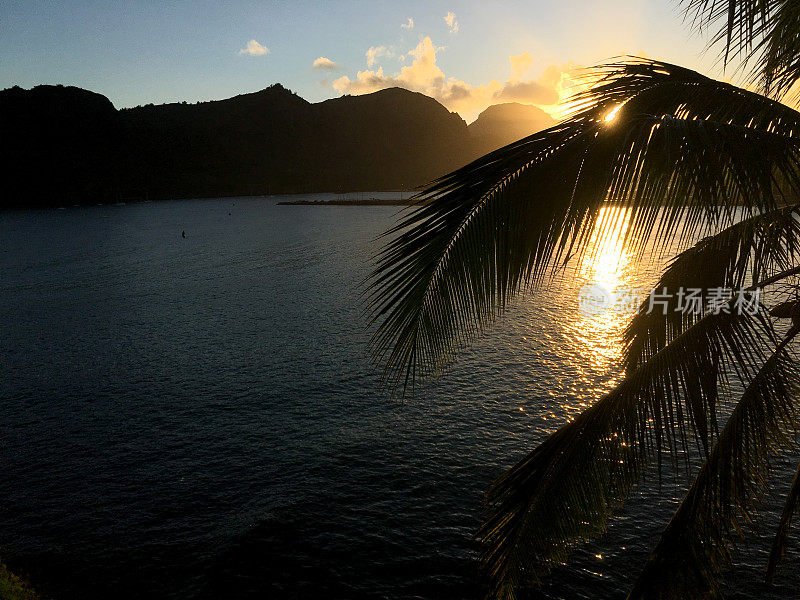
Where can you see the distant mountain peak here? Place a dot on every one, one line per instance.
(514, 110)
(502, 124)
(273, 93)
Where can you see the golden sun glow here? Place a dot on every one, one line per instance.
(605, 267)
(606, 258)
(612, 114)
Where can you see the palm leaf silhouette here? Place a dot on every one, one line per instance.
(563, 493)
(755, 246)
(697, 542)
(761, 32)
(779, 545)
(685, 154)
(480, 234)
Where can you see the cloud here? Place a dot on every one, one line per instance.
(408, 25)
(253, 48)
(540, 91)
(519, 64)
(424, 75)
(325, 64)
(376, 52)
(450, 19)
(527, 92)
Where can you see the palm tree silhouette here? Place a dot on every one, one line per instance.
(683, 152)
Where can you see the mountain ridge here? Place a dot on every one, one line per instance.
(66, 145)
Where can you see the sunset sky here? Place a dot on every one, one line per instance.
(468, 55)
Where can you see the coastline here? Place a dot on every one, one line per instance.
(368, 202)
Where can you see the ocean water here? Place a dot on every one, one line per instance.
(199, 417)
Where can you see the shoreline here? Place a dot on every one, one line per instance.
(369, 202)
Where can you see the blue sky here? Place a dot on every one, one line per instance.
(140, 52)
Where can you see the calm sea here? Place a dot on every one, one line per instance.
(198, 417)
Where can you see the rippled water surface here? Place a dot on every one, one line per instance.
(199, 418)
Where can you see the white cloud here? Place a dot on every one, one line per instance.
(325, 64)
(450, 19)
(409, 24)
(253, 48)
(375, 52)
(424, 75)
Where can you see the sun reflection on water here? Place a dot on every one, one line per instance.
(578, 353)
(607, 263)
(606, 257)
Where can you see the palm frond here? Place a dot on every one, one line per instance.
(681, 160)
(762, 33)
(730, 487)
(779, 545)
(476, 236)
(660, 88)
(778, 52)
(683, 175)
(563, 493)
(750, 249)
(483, 232)
(755, 247)
(739, 22)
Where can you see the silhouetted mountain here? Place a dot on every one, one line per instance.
(59, 144)
(502, 124)
(63, 145)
